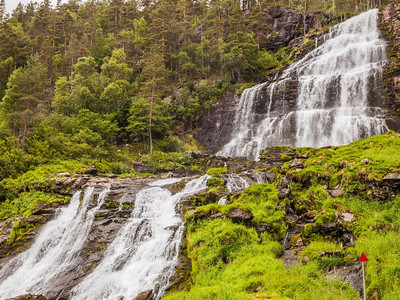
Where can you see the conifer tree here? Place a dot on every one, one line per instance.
(25, 96)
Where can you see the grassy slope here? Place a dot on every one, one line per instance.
(230, 261)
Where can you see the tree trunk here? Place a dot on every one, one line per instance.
(151, 116)
(54, 36)
(304, 18)
(26, 119)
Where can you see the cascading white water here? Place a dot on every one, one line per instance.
(332, 102)
(55, 250)
(143, 254)
(234, 182)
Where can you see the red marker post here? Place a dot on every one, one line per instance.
(363, 258)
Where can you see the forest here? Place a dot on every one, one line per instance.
(82, 80)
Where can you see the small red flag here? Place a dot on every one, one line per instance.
(363, 257)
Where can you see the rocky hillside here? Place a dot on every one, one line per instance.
(299, 233)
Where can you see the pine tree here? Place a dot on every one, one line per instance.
(2, 10)
(26, 95)
(155, 73)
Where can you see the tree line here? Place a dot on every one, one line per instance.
(81, 77)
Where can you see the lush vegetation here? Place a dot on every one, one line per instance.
(235, 260)
(80, 80)
(119, 84)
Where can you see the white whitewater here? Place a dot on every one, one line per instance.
(332, 102)
(234, 182)
(55, 250)
(143, 254)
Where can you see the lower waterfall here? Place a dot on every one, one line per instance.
(55, 250)
(143, 254)
(333, 85)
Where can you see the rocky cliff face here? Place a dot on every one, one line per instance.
(214, 128)
(390, 28)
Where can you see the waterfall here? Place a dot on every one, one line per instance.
(143, 254)
(235, 182)
(332, 82)
(55, 251)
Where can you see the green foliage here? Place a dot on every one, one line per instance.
(316, 248)
(366, 160)
(218, 242)
(138, 120)
(215, 181)
(26, 202)
(230, 262)
(25, 96)
(6, 69)
(217, 171)
(382, 250)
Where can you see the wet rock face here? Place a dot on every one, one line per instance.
(286, 23)
(390, 29)
(146, 295)
(215, 126)
(29, 297)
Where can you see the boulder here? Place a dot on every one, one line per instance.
(392, 177)
(239, 215)
(347, 217)
(146, 295)
(297, 163)
(92, 171)
(335, 193)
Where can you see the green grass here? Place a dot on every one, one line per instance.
(259, 199)
(26, 202)
(230, 262)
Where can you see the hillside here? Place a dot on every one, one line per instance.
(199, 150)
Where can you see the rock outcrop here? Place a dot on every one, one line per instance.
(390, 28)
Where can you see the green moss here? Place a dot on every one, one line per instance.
(229, 262)
(19, 230)
(215, 181)
(26, 202)
(308, 229)
(217, 171)
(285, 157)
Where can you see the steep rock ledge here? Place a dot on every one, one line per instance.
(390, 28)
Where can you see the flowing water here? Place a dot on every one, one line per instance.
(55, 250)
(143, 254)
(333, 84)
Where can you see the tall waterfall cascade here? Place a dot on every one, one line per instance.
(333, 84)
(55, 250)
(145, 251)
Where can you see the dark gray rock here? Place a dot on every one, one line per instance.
(352, 274)
(214, 128)
(146, 295)
(239, 215)
(28, 297)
